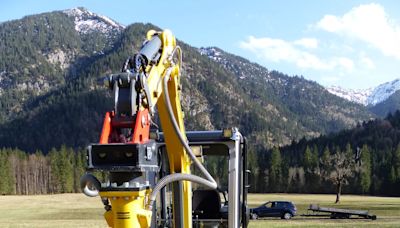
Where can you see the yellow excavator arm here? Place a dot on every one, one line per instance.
(132, 158)
(151, 77)
(178, 159)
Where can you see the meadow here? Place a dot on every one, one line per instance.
(387, 209)
(77, 210)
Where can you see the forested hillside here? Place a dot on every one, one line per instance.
(373, 146)
(40, 53)
(302, 103)
(49, 97)
(388, 106)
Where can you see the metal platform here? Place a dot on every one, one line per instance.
(227, 143)
(338, 213)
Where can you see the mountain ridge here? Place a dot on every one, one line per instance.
(269, 107)
(86, 21)
(278, 86)
(367, 97)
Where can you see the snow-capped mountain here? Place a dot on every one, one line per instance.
(371, 96)
(236, 64)
(211, 52)
(86, 21)
(355, 95)
(383, 92)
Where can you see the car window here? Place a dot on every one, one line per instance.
(282, 204)
(276, 204)
(268, 204)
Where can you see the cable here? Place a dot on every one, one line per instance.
(181, 139)
(209, 182)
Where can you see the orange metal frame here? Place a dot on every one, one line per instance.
(141, 127)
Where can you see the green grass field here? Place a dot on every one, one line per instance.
(76, 210)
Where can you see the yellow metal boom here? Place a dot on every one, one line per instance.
(133, 159)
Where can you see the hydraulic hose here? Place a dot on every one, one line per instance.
(209, 181)
(181, 138)
(90, 180)
(177, 177)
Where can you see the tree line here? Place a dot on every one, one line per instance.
(363, 160)
(25, 174)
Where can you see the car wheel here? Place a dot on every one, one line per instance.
(254, 216)
(287, 216)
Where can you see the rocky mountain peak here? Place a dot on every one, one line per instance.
(242, 68)
(359, 96)
(383, 92)
(371, 96)
(87, 21)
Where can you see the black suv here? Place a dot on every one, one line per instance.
(283, 209)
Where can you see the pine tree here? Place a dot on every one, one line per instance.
(315, 157)
(392, 175)
(366, 169)
(55, 173)
(254, 168)
(62, 170)
(307, 159)
(66, 169)
(275, 170)
(325, 158)
(312, 169)
(396, 161)
(6, 177)
(79, 168)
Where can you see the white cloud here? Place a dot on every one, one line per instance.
(330, 23)
(307, 42)
(274, 50)
(345, 63)
(366, 61)
(368, 23)
(278, 50)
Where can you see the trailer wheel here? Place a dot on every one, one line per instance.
(254, 216)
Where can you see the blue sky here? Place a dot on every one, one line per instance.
(353, 44)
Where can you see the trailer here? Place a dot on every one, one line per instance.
(337, 213)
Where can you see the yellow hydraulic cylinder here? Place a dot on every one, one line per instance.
(127, 209)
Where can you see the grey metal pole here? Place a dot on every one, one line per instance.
(233, 193)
